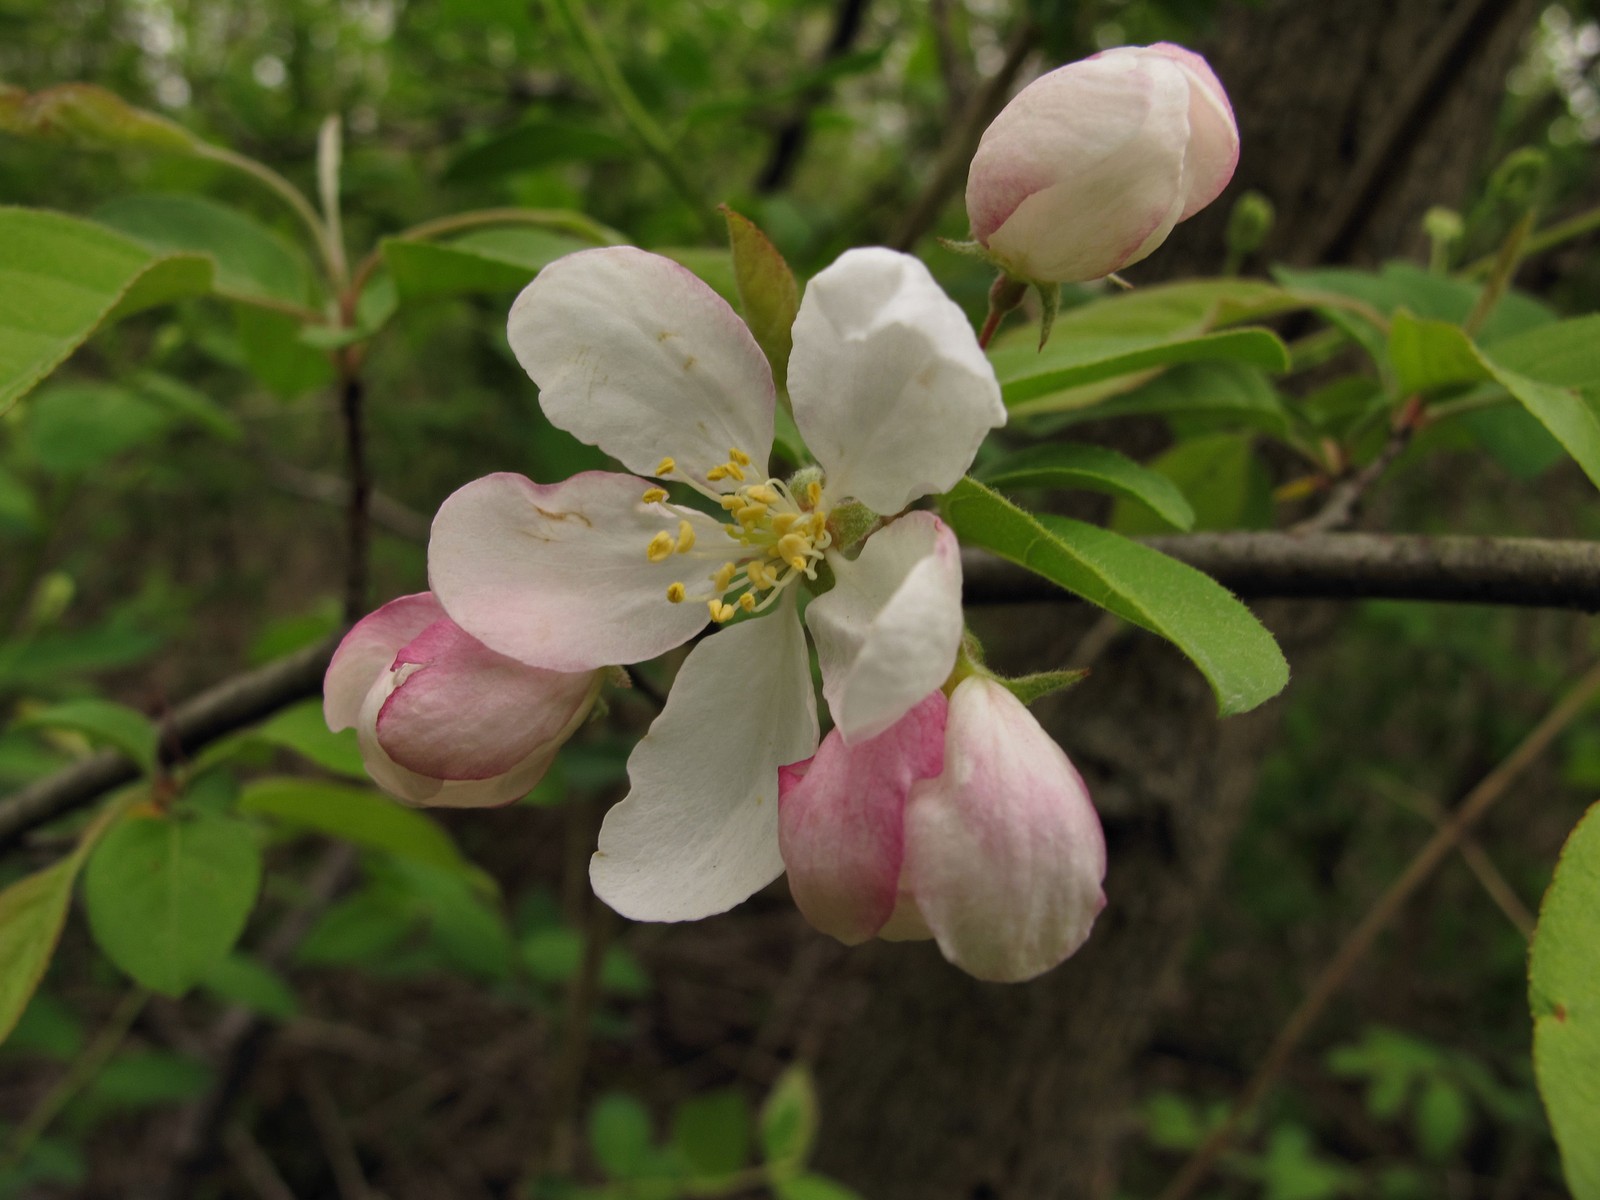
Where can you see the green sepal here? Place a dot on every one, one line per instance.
(1040, 684)
(850, 524)
(1049, 305)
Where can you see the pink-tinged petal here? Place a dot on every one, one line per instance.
(557, 575)
(840, 821)
(426, 791)
(698, 831)
(366, 652)
(890, 389)
(1213, 152)
(888, 632)
(463, 712)
(634, 354)
(1102, 144)
(1004, 853)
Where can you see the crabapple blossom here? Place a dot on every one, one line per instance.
(963, 822)
(636, 355)
(1089, 167)
(443, 720)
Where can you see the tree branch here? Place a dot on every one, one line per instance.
(1524, 572)
(790, 140)
(230, 705)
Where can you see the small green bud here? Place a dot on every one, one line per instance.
(1249, 224)
(1519, 179)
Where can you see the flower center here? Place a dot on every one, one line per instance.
(779, 530)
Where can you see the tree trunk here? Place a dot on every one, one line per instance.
(1355, 118)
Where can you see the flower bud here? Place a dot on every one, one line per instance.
(963, 822)
(1090, 166)
(443, 720)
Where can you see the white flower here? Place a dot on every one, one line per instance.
(636, 355)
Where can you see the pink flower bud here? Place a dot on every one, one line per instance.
(963, 822)
(441, 718)
(1089, 167)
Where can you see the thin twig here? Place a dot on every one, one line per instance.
(789, 141)
(1339, 507)
(358, 520)
(1472, 809)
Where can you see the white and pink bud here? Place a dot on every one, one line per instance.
(1090, 166)
(963, 822)
(442, 719)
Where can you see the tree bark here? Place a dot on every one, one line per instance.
(1355, 118)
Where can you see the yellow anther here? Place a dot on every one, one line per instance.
(792, 546)
(654, 496)
(724, 577)
(661, 547)
(720, 612)
(717, 473)
(733, 471)
(734, 531)
(760, 575)
(738, 456)
(814, 493)
(665, 467)
(675, 592)
(731, 501)
(760, 493)
(750, 514)
(819, 524)
(783, 522)
(685, 537)
(748, 602)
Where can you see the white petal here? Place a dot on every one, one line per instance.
(698, 831)
(1003, 851)
(1213, 133)
(1110, 133)
(557, 576)
(888, 633)
(634, 354)
(890, 389)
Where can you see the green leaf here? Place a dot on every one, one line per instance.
(812, 1187)
(489, 260)
(1565, 353)
(105, 722)
(1220, 635)
(240, 979)
(277, 354)
(146, 1078)
(1030, 389)
(711, 1133)
(168, 896)
(1564, 995)
(1062, 465)
(90, 117)
(32, 911)
(357, 815)
(769, 297)
(61, 278)
(713, 266)
(1432, 354)
(73, 429)
(789, 1119)
(253, 263)
(533, 145)
(1229, 484)
(622, 1136)
(1443, 1120)
(471, 932)
(303, 729)
(363, 928)
(554, 955)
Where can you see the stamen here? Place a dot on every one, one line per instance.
(738, 456)
(814, 493)
(723, 577)
(748, 602)
(685, 537)
(733, 470)
(783, 522)
(716, 474)
(720, 612)
(654, 496)
(661, 547)
(665, 467)
(676, 592)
